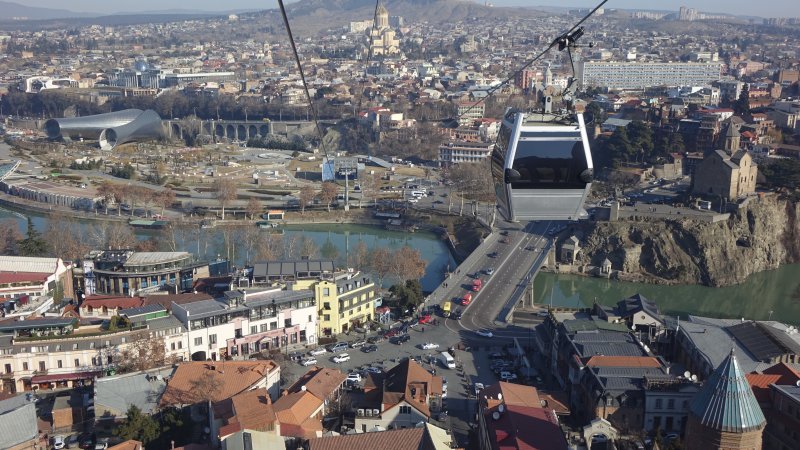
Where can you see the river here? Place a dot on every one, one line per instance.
(772, 294)
(343, 237)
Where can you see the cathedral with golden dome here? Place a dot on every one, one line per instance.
(384, 40)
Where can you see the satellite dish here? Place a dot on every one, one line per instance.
(694, 377)
(501, 408)
(797, 383)
(496, 415)
(499, 396)
(687, 374)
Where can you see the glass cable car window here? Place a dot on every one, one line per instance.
(548, 164)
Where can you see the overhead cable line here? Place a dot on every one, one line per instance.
(303, 79)
(562, 41)
(366, 69)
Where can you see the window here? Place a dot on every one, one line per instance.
(326, 317)
(212, 338)
(659, 403)
(109, 359)
(294, 338)
(58, 348)
(24, 366)
(263, 327)
(172, 346)
(326, 306)
(273, 325)
(405, 410)
(94, 360)
(326, 291)
(42, 366)
(77, 362)
(198, 341)
(60, 364)
(180, 344)
(8, 368)
(254, 329)
(309, 318)
(287, 323)
(671, 404)
(74, 346)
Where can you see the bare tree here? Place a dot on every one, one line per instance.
(144, 352)
(308, 248)
(328, 193)
(165, 199)
(253, 207)
(407, 264)
(307, 194)
(225, 192)
(66, 238)
(360, 256)
(248, 239)
(111, 235)
(108, 191)
(269, 247)
(380, 263)
(369, 188)
(9, 237)
(290, 247)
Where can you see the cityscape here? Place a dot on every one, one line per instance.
(399, 225)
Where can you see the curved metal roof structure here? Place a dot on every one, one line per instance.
(111, 129)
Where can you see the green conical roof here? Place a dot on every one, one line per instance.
(726, 402)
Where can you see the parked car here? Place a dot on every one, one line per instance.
(338, 359)
(58, 442)
(484, 333)
(426, 318)
(478, 388)
(429, 346)
(354, 377)
(507, 376)
(400, 339)
(457, 315)
(374, 339)
(296, 356)
(318, 351)
(356, 344)
(308, 361)
(391, 333)
(492, 255)
(490, 271)
(338, 347)
(87, 440)
(369, 348)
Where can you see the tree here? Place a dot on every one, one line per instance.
(641, 137)
(360, 256)
(307, 194)
(33, 244)
(138, 426)
(407, 264)
(329, 250)
(66, 238)
(253, 207)
(165, 199)
(108, 191)
(144, 352)
(308, 248)
(619, 146)
(269, 247)
(380, 263)
(225, 192)
(328, 193)
(9, 237)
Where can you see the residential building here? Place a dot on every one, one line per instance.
(725, 413)
(300, 415)
(127, 272)
(114, 395)
(323, 383)
(198, 382)
(18, 423)
(249, 410)
(106, 307)
(455, 152)
(429, 437)
(404, 396)
(784, 421)
(666, 403)
(242, 323)
(282, 271)
(468, 112)
(512, 416)
(344, 301)
(30, 276)
(640, 75)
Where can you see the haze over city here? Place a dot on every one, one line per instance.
(777, 8)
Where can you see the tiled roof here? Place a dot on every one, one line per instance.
(726, 402)
(179, 299)
(198, 381)
(779, 374)
(513, 394)
(295, 414)
(623, 361)
(22, 277)
(250, 410)
(113, 302)
(409, 381)
(320, 381)
(128, 445)
(525, 428)
(408, 439)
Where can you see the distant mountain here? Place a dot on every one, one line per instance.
(322, 14)
(15, 11)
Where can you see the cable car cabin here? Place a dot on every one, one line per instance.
(542, 167)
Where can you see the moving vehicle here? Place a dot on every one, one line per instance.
(318, 351)
(484, 332)
(490, 271)
(542, 166)
(466, 299)
(476, 285)
(400, 339)
(308, 361)
(429, 346)
(457, 315)
(447, 360)
(338, 359)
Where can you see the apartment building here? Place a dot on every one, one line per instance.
(640, 75)
(344, 301)
(455, 152)
(125, 272)
(31, 276)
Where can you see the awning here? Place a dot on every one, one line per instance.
(38, 379)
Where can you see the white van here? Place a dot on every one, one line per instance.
(418, 194)
(447, 360)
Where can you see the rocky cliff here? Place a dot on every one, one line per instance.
(760, 235)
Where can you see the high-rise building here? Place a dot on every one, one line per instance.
(640, 75)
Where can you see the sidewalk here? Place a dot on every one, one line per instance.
(442, 293)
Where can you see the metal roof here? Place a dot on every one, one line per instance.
(291, 268)
(148, 258)
(636, 303)
(141, 389)
(726, 402)
(28, 264)
(37, 323)
(146, 309)
(764, 344)
(19, 424)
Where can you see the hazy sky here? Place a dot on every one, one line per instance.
(777, 8)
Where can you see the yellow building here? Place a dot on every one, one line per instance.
(344, 300)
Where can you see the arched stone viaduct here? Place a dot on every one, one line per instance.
(233, 130)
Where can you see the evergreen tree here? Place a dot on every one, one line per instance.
(33, 244)
(138, 426)
(619, 146)
(641, 138)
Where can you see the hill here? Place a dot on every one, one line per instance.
(15, 11)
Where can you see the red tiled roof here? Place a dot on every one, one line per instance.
(250, 410)
(408, 439)
(320, 381)
(295, 413)
(23, 277)
(128, 445)
(198, 381)
(525, 428)
(780, 374)
(112, 302)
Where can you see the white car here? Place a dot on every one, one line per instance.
(318, 351)
(308, 361)
(430, 346)
(413, 200)
(485, 333)
(58, 442)
(354, 377)
(340, 358)
(507, 376)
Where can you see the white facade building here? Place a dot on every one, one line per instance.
(640, 75)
